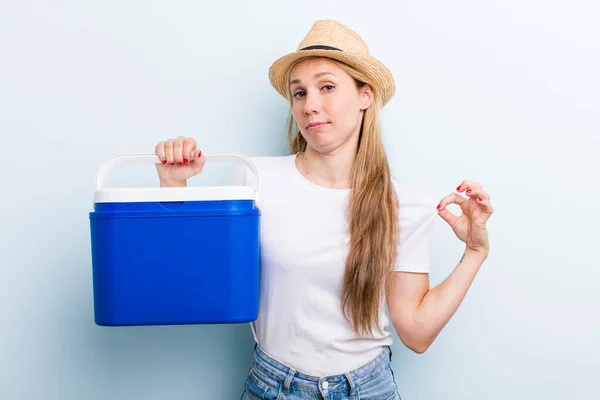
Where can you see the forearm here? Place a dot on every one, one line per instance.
(441, 302)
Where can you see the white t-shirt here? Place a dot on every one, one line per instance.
(304, 241)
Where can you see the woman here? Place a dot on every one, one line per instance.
(340, 237)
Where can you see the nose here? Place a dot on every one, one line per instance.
(312, 103)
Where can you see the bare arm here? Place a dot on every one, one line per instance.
(419, 313)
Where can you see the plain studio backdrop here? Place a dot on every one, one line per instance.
(505, 93)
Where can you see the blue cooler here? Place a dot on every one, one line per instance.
(164, 256)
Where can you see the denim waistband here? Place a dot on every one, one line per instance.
(346, 381)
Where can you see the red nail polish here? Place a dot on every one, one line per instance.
(458, 188)
(200, 154)
(439, 206)
(172, 163)
(185, 161)
(179, 163)
(164, 161)
(469, 191)
(480, 199)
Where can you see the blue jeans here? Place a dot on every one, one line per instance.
(270, 380)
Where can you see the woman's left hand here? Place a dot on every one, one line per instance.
(470, 227)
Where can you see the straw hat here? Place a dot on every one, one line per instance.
(334, 40)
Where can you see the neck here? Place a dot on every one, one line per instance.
(331, 170)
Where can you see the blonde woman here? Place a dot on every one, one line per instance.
(340, 238)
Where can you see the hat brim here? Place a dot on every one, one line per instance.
(379, 75)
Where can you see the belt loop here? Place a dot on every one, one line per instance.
(351, 383)
(288, 381)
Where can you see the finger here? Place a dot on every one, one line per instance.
(160, 152)
(178, 150)
(466, 184)
(169, 151)
(196, 155)
(485, 205)
(199, 163)
(453, 198)
(474, 193)
(443, 212)
(189, 146)
(447, 216)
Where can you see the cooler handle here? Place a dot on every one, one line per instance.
(148, 158)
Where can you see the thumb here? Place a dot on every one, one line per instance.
(198, 161)
(448, 216)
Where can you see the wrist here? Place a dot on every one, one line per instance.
(477, 255)
(166, 183)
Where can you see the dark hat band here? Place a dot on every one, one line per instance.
(320, 47)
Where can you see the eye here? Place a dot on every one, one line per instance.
(299, 94)
(328, 88)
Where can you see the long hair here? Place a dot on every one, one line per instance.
(373, 218)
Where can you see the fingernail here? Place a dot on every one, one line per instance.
(469, 191)
(164, 161)
(200, 154)
(439, 206)
(480, 199)
(185, 161)
(172, 163)
(179, 163)
(458, 188)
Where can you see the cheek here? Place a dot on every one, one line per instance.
(343, 106)
(345, 113)
(297, 111)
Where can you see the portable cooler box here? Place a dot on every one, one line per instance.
(165, 256)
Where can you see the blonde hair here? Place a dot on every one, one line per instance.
(373, 217)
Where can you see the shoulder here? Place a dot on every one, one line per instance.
(271, 161)
(268, 167)
(272, 167)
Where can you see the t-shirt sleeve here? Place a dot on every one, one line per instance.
(416, 216)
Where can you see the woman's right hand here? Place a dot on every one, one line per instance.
(180, 159)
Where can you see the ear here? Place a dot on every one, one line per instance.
(366, 97)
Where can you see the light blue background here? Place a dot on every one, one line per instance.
(500, 92)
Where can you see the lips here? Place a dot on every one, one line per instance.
(314, 125)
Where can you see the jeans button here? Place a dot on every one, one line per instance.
(325, 385)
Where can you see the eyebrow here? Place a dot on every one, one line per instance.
(317, 76)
